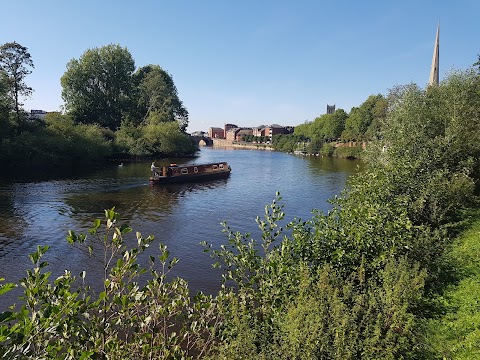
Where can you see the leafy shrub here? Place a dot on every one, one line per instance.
(360, 318)
(355, 152)
(126, 320)
(327, 149)
(154, 138)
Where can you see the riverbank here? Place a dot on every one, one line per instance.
(456, 333)
(349, 150)
(233, 144)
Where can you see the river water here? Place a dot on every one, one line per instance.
(39, 210)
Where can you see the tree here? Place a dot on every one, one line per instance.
(430, 147)
(4, 106)
(15, 61)
(154, 137)
(157, 93)
(303, 130)
(334, 124)
(97, 87)
(363, 122)
(327, 127)
(4, 98)
(477, 64)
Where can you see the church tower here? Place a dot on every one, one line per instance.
(434, 71)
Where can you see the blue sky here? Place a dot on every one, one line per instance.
(251, 62)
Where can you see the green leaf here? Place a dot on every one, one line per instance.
(4, 288)
(6, 316)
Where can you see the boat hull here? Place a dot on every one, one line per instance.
(190, 173)
(187, 178)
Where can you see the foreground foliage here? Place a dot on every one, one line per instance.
(128, 319)
(285, 303)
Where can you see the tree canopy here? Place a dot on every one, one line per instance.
(363, 122)
(111, 111)
(15, 64)
(326, 127)
(157, 93)
(102, 87)
(97, 87)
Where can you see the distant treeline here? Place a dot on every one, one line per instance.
(111, 110)
(363, 281)
(362, 124)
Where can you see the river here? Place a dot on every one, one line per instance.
(40, 209)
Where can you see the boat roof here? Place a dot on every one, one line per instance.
(207, 164)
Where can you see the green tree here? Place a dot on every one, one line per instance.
(477, 64)
(154, 137)
(334, 124)
(4, 98)
(303, 130)
(314, 146)
(97, 87)
(326, 127)
(167, 137)
(363, 122)
(4, 106)
(15, 63)
(431, 147)
(79, 143)
(287, 142)
(317, 127)
(157, 92)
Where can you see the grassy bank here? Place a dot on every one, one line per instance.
(456, 333)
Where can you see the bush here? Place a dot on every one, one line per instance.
(153, 139)
(353, 152)
(357, 318)
(327, 150)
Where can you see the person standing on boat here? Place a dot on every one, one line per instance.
(153, 168)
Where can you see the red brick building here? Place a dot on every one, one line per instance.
(274, 129)
(216, 133)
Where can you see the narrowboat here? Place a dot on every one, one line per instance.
(189, 172)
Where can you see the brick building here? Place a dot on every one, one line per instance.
(227, 127)
(216, 133)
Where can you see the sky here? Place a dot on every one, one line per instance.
(250, 62)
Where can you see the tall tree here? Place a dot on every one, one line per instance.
(97, 87)
(334, 124)
(4, 106)
(15, 63)
(157, 93)
(4, 98)
(304, 129)
(363, 122)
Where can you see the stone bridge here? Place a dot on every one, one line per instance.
(202, 140)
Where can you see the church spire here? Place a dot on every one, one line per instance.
(434, 71)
